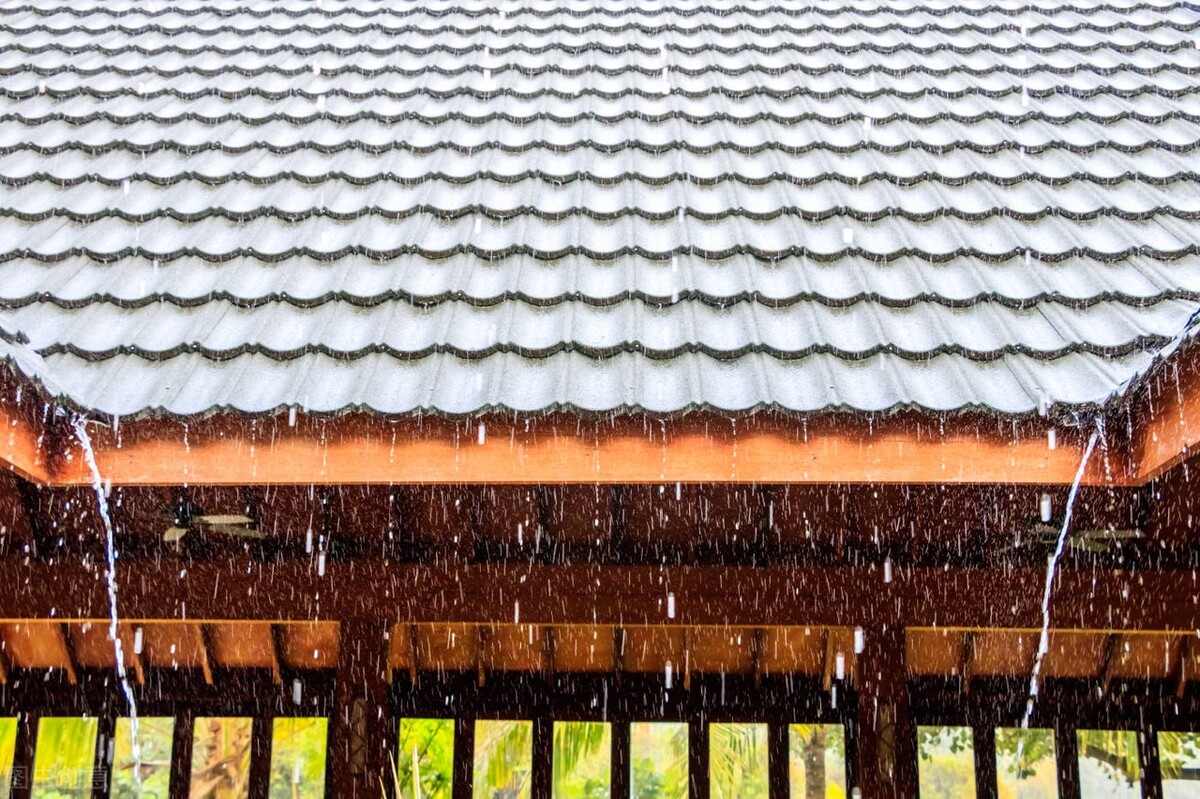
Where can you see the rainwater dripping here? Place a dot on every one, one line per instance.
(110, 548)
(1051, 569)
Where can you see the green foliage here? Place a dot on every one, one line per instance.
(503, 759)
(1021, 753)
(1115, 750)
(582, 760)
(737, 761)
(1177, 751)
(658, 760)
(432, 740)
(298, 748)
(221, 758)
(155, 739)
(946, 762)
(8, 747)
(65, 758)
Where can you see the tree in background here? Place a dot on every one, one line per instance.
(221, 758)
(155, 739)
(426, 751)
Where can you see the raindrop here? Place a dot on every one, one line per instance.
(860, 640)
(1045, 507)
(297, 689)
(137, 641)
(670, 671)
(321, 564)
(482, 434)
(839, 667)
(517, 612)
(670, 606)
(1052, 438)
(292, 416)
(887, 570)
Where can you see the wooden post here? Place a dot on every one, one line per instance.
(464, 757)
(543, 757)
(698, 757)
(621, 759)
(887, 754)
(359, 741)
(778, 757)
(984, 740)
(23, 756)
(1066, 751)
(102, 770)
(181, 756)
(260, 758)
(1148, 760)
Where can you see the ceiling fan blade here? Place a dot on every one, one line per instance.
(237, 530)
(227, 519)
(173, 534)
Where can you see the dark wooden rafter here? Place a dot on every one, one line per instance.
(685, 664)
(1187, 651)
(482, 634)
(756, 655)
(1108, 661)
(828, 658)
(618, 655)
(414, 648)
(204, 651)
(276, 653)
(133, 657)
(71, 661)
(966, 657)
(548, 655)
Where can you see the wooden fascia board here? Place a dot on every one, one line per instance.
(563, 450)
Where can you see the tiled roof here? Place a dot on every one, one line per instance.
(454, 206)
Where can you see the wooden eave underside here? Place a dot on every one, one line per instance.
(556, 449)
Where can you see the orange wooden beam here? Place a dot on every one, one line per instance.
(22, 446)
(561, 449)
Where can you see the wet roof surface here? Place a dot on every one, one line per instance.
(457, 206)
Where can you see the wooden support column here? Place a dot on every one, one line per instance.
(106, 729)
(621, 760)
(777, 753)
(698, 757)
(1148, 760)
(984, 736)
(22, 773)
(464, 758)
(543, 757)
(1066, 750)
(260, 758)
(887, 755)
(359, 739)
(181, 756)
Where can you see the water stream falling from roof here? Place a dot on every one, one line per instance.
(1051, 569)
(110, 549)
